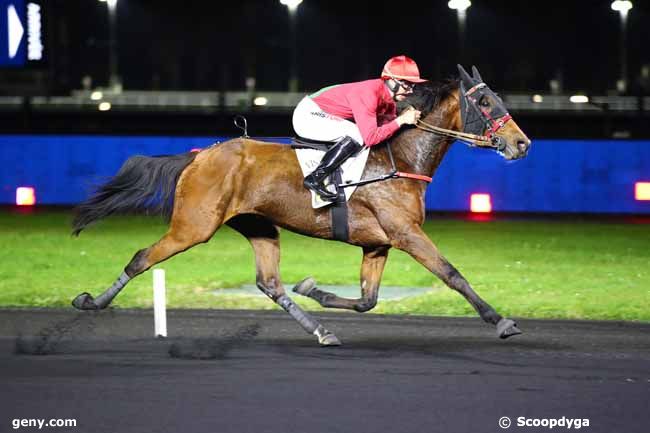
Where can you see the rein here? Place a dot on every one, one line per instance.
(473, 139)
(393, 174)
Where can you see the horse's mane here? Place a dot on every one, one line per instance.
(427, 96)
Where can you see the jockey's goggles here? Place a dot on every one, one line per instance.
(405, 85)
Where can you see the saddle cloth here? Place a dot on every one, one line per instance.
(351, 171)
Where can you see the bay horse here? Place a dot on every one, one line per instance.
(256, 188)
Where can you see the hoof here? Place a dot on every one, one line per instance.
(305, 287)
(507, 328)
(84, 301)
(329, 339)
(325, 337)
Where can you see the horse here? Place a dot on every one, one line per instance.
(256, 187)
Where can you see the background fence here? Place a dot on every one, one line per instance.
(581, 176)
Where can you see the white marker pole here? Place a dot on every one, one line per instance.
(159, 303)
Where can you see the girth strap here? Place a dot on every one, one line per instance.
(339, 211)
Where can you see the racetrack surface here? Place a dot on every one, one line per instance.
(250, 371)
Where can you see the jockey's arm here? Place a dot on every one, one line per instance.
(364, 109)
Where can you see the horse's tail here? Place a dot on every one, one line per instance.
(144, 184)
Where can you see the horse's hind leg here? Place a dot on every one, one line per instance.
(265, 240)
(193, 223)
(372, 268)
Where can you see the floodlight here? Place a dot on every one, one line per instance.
(579, 99)
(260, 100)
(621, 6)
(459, 5)
(291, 4)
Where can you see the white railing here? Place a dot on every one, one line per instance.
(282, 101)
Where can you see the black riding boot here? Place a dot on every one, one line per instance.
(333, 158)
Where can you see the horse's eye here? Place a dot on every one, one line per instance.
(484, 102)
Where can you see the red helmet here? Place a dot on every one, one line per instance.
(402, 68)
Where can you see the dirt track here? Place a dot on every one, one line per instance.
(232, 371)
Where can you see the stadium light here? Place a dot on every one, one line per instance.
(642, 191)
(480, 203)
(459, 5)
(113, 78)
(461, 13)
(579, 99)
(96, 95)
(260, 101)
(621, 6)
(291, 4)
(538, 98)
(104, 106)
(25, 196)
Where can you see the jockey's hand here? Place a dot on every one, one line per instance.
(410, 116)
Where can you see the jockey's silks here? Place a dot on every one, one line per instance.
(369, 103)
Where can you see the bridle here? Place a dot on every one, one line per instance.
(491, 125)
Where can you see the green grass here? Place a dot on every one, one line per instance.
(543, 269)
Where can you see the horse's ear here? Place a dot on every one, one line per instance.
(464, 77)
(476, 75)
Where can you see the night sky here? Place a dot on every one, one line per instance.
(212, 45)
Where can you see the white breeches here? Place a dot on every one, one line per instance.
(311, 122)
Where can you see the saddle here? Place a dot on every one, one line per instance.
(309, 154)
(307, 143)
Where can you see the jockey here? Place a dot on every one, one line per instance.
(355, 114)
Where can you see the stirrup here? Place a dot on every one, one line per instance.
(329, 197)
(332, 160)
(319, 188)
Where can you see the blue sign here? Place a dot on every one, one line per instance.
(574, 176)
(13, 33)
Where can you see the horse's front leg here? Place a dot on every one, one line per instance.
(372, 268)
(411, 239)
